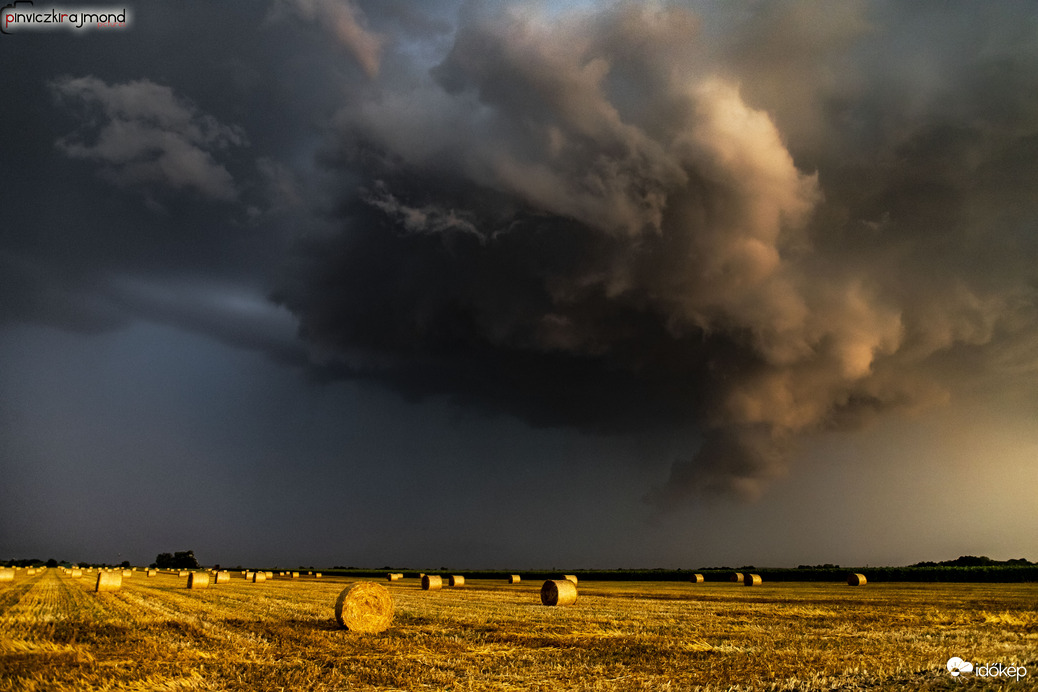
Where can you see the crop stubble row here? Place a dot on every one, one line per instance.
(283, 633)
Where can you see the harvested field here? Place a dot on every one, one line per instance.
(55, 633)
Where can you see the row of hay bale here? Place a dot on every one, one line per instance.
(855, 579)
(434, 582)
(431, 582)
(112, 581)
(367, 607)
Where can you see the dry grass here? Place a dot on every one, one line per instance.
(56, 634)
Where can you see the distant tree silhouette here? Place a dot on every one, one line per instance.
(181, 560)
(970, 561)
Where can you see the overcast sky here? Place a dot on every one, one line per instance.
(508, 284)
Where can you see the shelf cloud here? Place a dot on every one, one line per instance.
(609, 221)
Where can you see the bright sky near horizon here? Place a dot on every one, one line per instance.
(502, 284)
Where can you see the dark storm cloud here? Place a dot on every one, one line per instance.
(741, 224)
(614, 221)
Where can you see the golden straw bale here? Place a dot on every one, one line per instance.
(268, 575)
(108, 581)
(856, 580)
(183, 573)
(152, 573)
(556, 592)
(752, 580)
(295, 575)
(432, 582)
(257, 577)
(222, 577)
(127, 574)
(698, 579)
(456, 580)
(365, 607)
(514, 579)
(6, 574)
(317, 576)
(75, 573)
(198, 580)
(735, 576)
(571, 577)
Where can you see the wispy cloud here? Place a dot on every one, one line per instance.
(144, 135)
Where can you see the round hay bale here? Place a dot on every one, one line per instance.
(570, 577)
(183, 573)
(558, 592)
(75, 573)
(735, 576)
(269, 575)
(316, 576)
(295, 575)
(856, 580)
(222, 578)
(127, 574)
(432, 582)
(698, 579)
(6, 574)
(152, 573)
(514, 579)
(365, 607)
(258, 577)
(456, 580)
(394, 576)
(752, 580)
(198, 580)
(108, 581)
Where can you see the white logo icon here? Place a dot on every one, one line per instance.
(956, 665)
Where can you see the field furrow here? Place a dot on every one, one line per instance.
(279, 635)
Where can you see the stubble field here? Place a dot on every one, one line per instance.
(154, 634)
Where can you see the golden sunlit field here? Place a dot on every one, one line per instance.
(154, 634)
